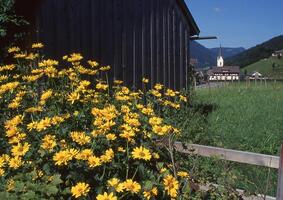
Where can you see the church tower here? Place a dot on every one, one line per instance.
(220, 60)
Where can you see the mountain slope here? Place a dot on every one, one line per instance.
(227, 51)
(257, 53)
(205, 56)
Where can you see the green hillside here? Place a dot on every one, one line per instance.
(264, 66)
(257, 53)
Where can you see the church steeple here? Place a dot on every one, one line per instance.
(220, 60)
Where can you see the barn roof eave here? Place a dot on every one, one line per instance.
(189, 17)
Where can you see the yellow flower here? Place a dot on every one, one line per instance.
(127, 132)
(63, 157)
(20, 55)
(170, 93)
(8, 86)
(111, 136)
(7, 68)
(46, 95)
(183, 174)
(147, 111)
(101, 86)
(76, 113)
(156, 155)
(144, 80)
(74, 96)
(155, 121)
(15, 162)
(151, 193)
(171, 186)
(161, 130)
(37, 46)
(125, 109)
(131, 186)
(141, 153)
(31, 56)
(84, 154)
(20, 150)
(163, 170)
(94, 161)
(108, 156)
(120, 187)
(14, 49)
(93, 63)
(118, 82)
(3, 77)
(155, 93)
(10, 185)
(114, 182)
(48, 63)
(75, 57)
(2, 172)
(43, 124)
(183, 98)
(106, 68)
(80, 189)
(2, 161)
(121, 149)
(31, 78)
(48, 142)
(14, 104)
(14, 122)
(80, 137)
(106, 196)
(158, 86)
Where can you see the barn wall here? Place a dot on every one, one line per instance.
(138, 38)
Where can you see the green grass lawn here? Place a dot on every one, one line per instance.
(248, 118)
(264, 66)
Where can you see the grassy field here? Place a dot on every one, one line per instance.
(248, 118)
(265, 67)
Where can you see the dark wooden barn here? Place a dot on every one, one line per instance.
(137, 38)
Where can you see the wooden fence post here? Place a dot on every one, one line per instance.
(280, 176)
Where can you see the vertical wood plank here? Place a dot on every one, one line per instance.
(280, 176)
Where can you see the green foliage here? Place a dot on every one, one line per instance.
(257, 53)
(28, 186)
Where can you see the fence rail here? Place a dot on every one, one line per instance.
(228, 154)
(275, 162)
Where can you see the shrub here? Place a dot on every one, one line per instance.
(65, 132)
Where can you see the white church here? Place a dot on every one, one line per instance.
(222, 72)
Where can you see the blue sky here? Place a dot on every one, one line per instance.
(238, 23)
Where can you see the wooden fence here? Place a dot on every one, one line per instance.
(240, 157)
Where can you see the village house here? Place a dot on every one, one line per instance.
(254, 75)
(222, 72)
(278, 53)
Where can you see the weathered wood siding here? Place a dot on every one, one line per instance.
(138, 38)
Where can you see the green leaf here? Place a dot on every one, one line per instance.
(148, 185)
(56, 180)
(51, 190)
(29, 195)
